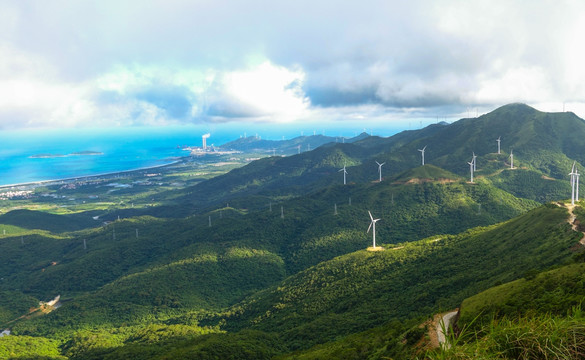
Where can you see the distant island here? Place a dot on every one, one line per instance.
(86, 153)
(77, 153)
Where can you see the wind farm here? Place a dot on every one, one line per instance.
(149, 153)
(203, 232)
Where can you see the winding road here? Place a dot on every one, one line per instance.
(444, 324)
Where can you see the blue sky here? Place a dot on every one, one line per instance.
(306, 64)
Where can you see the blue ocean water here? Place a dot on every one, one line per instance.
(123, 148)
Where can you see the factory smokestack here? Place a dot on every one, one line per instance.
(204, 138)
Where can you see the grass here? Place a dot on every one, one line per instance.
(542, 336)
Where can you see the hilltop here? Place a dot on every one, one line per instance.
(427, 173)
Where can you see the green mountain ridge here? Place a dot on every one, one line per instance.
(546, 143)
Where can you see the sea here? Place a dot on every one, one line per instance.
(27, 156)
(30, 155)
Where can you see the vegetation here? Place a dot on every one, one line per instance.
(199, 261)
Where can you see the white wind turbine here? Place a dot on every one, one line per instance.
(344, 173)
(471, 170)
(511, 159)
(573, 177)
(422, 152)
(577, 184)
(498, 140)
(380, 169)
(373, 227)
(474, 161)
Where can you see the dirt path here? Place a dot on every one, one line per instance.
(572, 220)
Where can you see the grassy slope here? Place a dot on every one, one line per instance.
(536, 317)
(363, 289)
(555, 291)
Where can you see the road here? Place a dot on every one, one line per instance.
(445, 323)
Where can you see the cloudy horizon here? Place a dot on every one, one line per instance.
(105, 63)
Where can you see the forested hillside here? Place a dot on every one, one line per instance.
(270, 259)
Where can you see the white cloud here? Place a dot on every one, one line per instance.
(74, 63)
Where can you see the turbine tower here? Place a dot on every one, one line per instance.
(422, 152)
(380, 169)
(573, 177)
(204, 138)
(498, 140)
(344, 173)
(511, 159)
(373, 227)
(577, 184)
(471, 170)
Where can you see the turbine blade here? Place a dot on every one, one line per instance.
(369, 227)
(371, 217)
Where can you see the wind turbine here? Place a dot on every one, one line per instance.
(380, 169)
(344, 173)
(422, 152)
(474, 162)
(511, 159)
(498, 140)
(577, 184)
(471, 170)
(573, 177)
(373, 227)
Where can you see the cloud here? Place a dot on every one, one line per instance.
(264, 92)
(68, 63)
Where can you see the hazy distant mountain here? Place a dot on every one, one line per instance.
(287, 147)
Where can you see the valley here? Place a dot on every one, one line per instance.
(267, 259)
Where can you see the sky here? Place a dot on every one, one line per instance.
(318, 63)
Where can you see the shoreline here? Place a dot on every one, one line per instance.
(79, 178)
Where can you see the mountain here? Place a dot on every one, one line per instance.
(324, 309)
(365, 289)
(544, 146)
(287, 147)
(270, 259)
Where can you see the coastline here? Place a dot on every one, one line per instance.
(85, 177)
